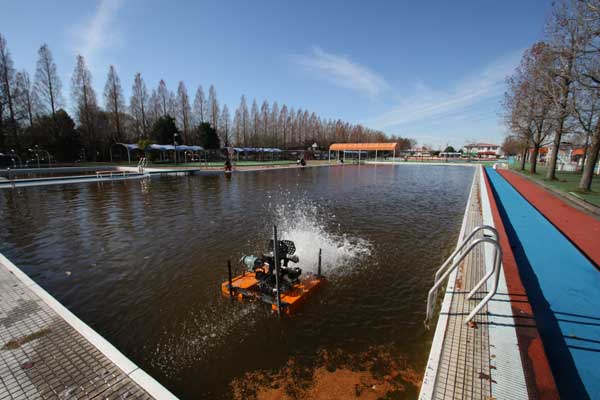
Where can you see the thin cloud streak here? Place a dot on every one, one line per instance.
(342, 71)
(427, 104)
(97, 33)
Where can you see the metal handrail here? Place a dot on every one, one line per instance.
(462, 245)
(459, 249)
(495, 271)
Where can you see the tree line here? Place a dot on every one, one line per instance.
(554, 94)
(33, 113)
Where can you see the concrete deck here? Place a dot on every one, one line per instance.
(481, 362)
(46, 352)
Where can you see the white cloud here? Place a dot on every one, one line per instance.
(426, 104)
(342, 71)
(98, 32)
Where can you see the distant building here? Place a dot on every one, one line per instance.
(569, 156)
(420, 152)
(482, 150)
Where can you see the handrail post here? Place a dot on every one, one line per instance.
(319, 266)
(276, 261)
(229, 278)
(497, 254)
(491, 293)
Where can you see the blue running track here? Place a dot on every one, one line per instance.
(563, 287)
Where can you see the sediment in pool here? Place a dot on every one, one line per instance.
(372, 374)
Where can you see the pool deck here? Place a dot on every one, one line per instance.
(46, 352)
(132, 173)
(554, 247)
(481, 362)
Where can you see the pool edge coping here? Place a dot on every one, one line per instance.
(133, 371)
(431, 370)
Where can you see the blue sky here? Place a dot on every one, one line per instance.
(433, 71)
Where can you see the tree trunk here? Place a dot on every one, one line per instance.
(585, 149)
(534, 155)
(524, 155)
(551, 171)
(523, 158)
(1, 126)
(590, 163)
(144, 129)
(50, 88)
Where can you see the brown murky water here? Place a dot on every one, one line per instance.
(141, 262)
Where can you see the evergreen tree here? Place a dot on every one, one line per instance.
(164, 130)
(207, 136)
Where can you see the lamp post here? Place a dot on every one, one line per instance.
(37, 156)
(175, 146)
(38, 149)
(49, 157)
(14, 154)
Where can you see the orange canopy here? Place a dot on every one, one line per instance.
(363, 146)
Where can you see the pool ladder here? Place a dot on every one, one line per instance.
(143, 163)
(452, 262)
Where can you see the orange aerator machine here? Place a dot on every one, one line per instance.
(270, 279)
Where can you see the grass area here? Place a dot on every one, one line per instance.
(567, 182)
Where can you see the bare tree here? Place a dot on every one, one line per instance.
(200, 106)
(84, 100)
(283, 125)
(237, 128)
(264, 120)
(244, 120)
(47, 86)
(564, 33)
(225, 126)
(213, 108)
(114, 102)
(274, 124)
(138, 105)
(7, 83)
(587, 93)
(23, 98)
(184, 112)
(163, 97)
(155, 108)
(528, 111)
(255, 123)
(172, 104)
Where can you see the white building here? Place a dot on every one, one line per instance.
(482, 150)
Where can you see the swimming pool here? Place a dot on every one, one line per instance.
(141, 262)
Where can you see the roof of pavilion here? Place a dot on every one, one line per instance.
(363, 146)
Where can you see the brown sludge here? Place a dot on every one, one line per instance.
(373, 374)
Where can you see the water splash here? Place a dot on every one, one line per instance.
(200, 336)
(307, 227)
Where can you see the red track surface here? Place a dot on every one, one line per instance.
(582, 229)
(538, 375)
